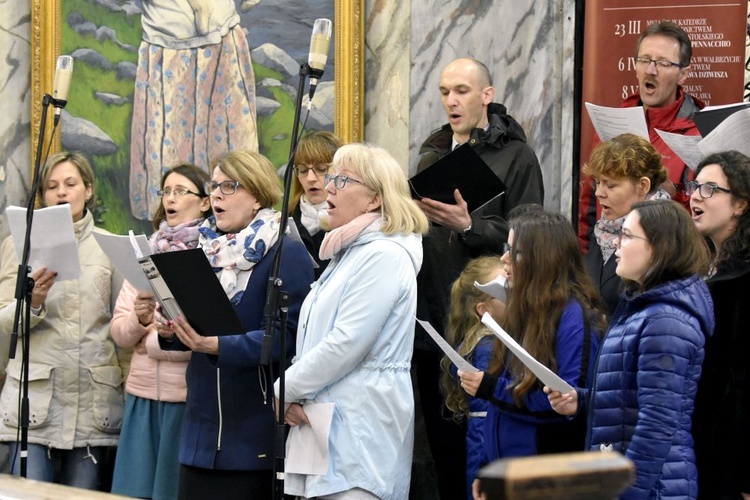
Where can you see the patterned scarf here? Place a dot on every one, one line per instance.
(341, 237)
(180, 237)
(607, 231)
(311, 214)
(233, 256)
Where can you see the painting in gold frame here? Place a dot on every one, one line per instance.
(48, 30)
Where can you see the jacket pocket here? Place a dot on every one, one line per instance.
(106, 397)
(41, 385)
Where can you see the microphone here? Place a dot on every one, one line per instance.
(319, 43)
(63, 75)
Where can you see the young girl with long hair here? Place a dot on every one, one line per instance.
(555, 313)
(474, 343)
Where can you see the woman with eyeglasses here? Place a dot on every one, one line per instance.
(146, 465)
(308, 205)
(720, 201)
(356, 333)
(627, 169)
(555, 313)
(75, 378)
(227, 440)
(641, 402)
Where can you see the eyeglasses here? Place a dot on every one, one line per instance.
(339, 181)
(165, 193)
(661, 63)
(627, 236)
(227, 187)
(706, 190)
(319, 170)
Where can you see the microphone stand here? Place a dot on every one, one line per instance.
(24, 289)
(278, 299)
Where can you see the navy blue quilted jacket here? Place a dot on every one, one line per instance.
(646, 379)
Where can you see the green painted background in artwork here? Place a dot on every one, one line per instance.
(112, 171)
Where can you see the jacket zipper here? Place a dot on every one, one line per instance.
(158, 381)
(218, 397)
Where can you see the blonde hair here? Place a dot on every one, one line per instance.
(465, 326)
(83, 166)
(382, 174)
(254, 172)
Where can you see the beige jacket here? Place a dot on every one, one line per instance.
(75, 381)
(154, 374)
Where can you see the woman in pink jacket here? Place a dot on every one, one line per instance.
(146, 465)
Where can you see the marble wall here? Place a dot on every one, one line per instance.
(530, 54)
(15, 113)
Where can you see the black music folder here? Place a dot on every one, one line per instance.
(460, 169)
(196, 289)
(708, 120)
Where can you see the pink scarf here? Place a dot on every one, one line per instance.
(341, 237)
(180, 237)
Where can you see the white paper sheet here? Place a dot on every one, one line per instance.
(684, 146)
(307, 445)
(455, 358)
(496, 288)
(611, 122)
(731, 134)
(53, 241)
(120, 251)
(547, 376)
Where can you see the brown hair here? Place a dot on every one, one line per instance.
(316, 148)
(627, 156)
(548, 272)
(677, 248)
(671, 30)
(193, 174)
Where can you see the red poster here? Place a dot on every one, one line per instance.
(717, 33)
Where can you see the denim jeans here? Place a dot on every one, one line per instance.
(79, 467)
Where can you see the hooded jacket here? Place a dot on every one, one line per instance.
(646, 380)
(503, 148)
(354, 347)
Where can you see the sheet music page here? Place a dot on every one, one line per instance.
(308, 444)
(455, 357)
(53, 240)
(120, 251)
(547, 376)
(731, 134)
(611, 122)
(496, 288)
(684, 146)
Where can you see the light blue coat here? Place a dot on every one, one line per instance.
(354, 346)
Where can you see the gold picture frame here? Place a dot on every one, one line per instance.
(46, 45)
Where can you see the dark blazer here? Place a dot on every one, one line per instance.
(604, 276)
(228, 425)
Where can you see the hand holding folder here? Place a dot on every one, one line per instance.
(460, 169)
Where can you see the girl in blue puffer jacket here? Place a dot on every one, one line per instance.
(648, 368)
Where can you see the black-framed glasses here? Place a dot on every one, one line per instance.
(627, 236)
(706, 190)
(660, 63)
(320, 170)
(178, 192)
(339, 181)
(227, 187)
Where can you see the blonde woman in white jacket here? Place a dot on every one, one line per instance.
(75, 380)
